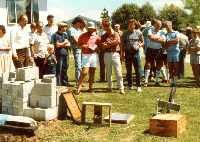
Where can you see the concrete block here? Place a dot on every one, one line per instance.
(43, 101)
(18, 111)
(45, 114)
(12, 75)
(28, 112)
(27, 73)
(49, 78)
(7, 110)
(3, 78)
(7, 100)
(44, 89)
(41, 114)
(21, 89)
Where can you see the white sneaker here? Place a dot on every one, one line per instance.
(139, 89)
(122, 91)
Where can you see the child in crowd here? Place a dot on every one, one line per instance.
(50, 61)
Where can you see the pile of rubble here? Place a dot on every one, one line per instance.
(22, 93)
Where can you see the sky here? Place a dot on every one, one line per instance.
(67, 9)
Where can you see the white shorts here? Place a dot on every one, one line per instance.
(89, 60)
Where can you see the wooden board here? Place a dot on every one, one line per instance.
(120, 118)
(167, 125)
(72, 105)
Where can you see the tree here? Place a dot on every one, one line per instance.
(175, 14)
(125, 12)
(147, 12)
(194, 6)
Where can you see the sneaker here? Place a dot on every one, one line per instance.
(152, 79)
(139, 89)
(122, 91)
(145, 84)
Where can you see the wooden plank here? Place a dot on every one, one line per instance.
(72, 105)
(97, 103)
(83, 114)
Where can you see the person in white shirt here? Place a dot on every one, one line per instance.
(50, 28)
(40, 48)
(19, 38)
(32, 37)
(6, 63)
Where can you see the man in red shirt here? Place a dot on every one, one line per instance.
(88, 43)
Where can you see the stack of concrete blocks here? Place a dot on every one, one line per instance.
(16, 88)
(3, 79)
(43, 99)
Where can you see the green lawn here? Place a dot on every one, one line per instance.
(142, 106)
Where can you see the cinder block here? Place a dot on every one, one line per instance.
(29, 112)
(7, 100)
(43, 101)
(3, 78)
(27, 73)
(49, 78)
(44, 89)
(12, 75)
(41, 114)
(7, 110)
(45, 114)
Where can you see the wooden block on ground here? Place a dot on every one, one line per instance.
(167, 125)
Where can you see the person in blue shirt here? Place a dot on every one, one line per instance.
(74, 33)
(153, 53)
(61, 42)
(173, 51)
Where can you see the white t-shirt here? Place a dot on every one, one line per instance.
(40, 45)
(50, 31)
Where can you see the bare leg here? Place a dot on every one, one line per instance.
(91, 77)
(84, 73)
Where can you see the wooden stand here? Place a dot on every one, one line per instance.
(167, 125)
(98, 111)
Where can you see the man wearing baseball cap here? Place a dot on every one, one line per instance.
(88, 43)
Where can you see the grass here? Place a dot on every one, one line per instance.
(142, 106)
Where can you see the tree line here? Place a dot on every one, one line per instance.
(180, 17)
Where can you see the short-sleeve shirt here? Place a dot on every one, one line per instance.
(174, 49)
(131, 40)
(60, 37)
(50, 31)
(89, 39)
(74, 33)
(154, 44)
(41, 44)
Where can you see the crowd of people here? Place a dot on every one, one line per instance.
(48, 47)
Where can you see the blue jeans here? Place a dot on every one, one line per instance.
(77, 62)
(132, 59)
(61, 70)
